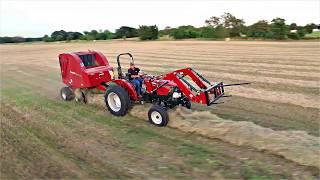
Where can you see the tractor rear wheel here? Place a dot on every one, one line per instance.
(66, 94)
(158, 116)
(117, 100)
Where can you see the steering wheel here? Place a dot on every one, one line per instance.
(141, 74)
(127, 76)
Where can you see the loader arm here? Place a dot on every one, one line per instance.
(204, 93)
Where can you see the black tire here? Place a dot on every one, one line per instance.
(158, 116)
(115, 95)
(66, 94)
(129, 104)
(188, 105)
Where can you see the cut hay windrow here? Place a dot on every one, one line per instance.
(297, 146)
(279, 97)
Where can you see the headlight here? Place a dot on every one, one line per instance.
(176, 95)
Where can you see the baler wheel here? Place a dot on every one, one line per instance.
(158, 115)
(66, 94)
(117, 100)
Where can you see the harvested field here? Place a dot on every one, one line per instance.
(272, 123)
(297, 146)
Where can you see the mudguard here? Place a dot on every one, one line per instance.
(127, 86)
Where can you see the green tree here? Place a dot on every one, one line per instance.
(293, 35)
(59, 38)
(218, 32)
(101, 36)
(126, 32)
(5, 40)
(177, 33)
(109, 35)
(208, 32)
(18, 39)
(293, 26)
(221, 32)
(75, 35)
(213, 21)
(309, 27)
(70, 36)
(84, 37)
(297, 35)
(279, 29)
(185, 32)
(165, 31)
(148, 32)
(31, 39)
(92, 35)
(234, 25)
(59, 35)
(46, 38)
(301, 32)
(86, 32)
(259, 29)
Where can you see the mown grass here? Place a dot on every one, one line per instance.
(55, 121)
(132, 138)
(267, 114)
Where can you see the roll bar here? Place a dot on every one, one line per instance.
(120, 74)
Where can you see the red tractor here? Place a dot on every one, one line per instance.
(82, 71)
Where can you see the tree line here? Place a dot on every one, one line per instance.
(228, 25)
(216, 27)
(144, 32)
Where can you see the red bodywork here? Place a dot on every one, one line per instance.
(76, 73)
(90, 69)
(201, 95)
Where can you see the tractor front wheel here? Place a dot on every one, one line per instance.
(66, 94)
(158, 116)
(117, 100)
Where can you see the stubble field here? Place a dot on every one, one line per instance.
(269, 129)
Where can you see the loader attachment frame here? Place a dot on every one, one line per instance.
(206, 93)
(218, 92)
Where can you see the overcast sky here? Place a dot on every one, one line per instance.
(38, 17)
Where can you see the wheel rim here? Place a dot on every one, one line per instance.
(156, 117)
(114, 102)
(64, 96)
